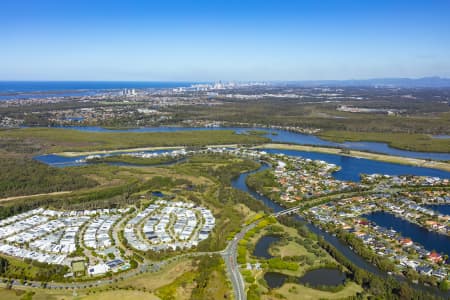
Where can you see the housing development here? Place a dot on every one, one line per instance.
(90, 236)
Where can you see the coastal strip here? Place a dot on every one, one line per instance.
(361, 154)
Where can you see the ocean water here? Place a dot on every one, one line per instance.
(31, 89)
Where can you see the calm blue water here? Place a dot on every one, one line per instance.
(352, 167)
(32, 89)
(158, 194)
(263, 245)
(313, 278)
(239, 183)
(64, 161)
(429, 239)
(323, 276)
(284, 136)
(442, 208)
(276, 279)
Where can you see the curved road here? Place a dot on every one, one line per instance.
(230, 257)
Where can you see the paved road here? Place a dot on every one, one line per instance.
(230, 257)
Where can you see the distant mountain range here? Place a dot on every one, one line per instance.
(431, 82)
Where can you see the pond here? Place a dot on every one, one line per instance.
(157, 194)
(263, 245)
(315, 278)
(323, 277)
(274, 279)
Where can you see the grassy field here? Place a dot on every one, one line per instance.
(180, 288)
(293, 248)
(58, 140)
(374, 156)
(119, 295)
(41, 294)
(405, 141)
(153, 281)
(291, 291)
(134, 160)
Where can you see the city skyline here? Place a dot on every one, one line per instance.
(218, 40)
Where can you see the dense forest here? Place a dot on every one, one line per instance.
(27, 177)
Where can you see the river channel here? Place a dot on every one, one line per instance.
(240, 183)
(284, 136)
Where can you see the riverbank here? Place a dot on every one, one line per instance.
(130, 150)
(361, 154)
(401, 141)
(81, 153)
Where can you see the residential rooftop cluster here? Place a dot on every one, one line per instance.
(44, 235)
(301, 178)
(404, 180)
(55, 237)
(348, 214)
(97, 234)
(169, 225)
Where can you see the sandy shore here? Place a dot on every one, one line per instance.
(361, 154)
(74, 154)
(353, 153)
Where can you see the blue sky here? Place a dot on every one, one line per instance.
(223, 40)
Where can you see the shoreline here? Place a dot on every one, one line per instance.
(81, 153)
(417, 162)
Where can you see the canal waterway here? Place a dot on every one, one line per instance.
(430, 240)
(239, 183)
(277, 279)
(351, 168)
(441, 208)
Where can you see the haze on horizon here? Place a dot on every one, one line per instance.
(223, 40)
